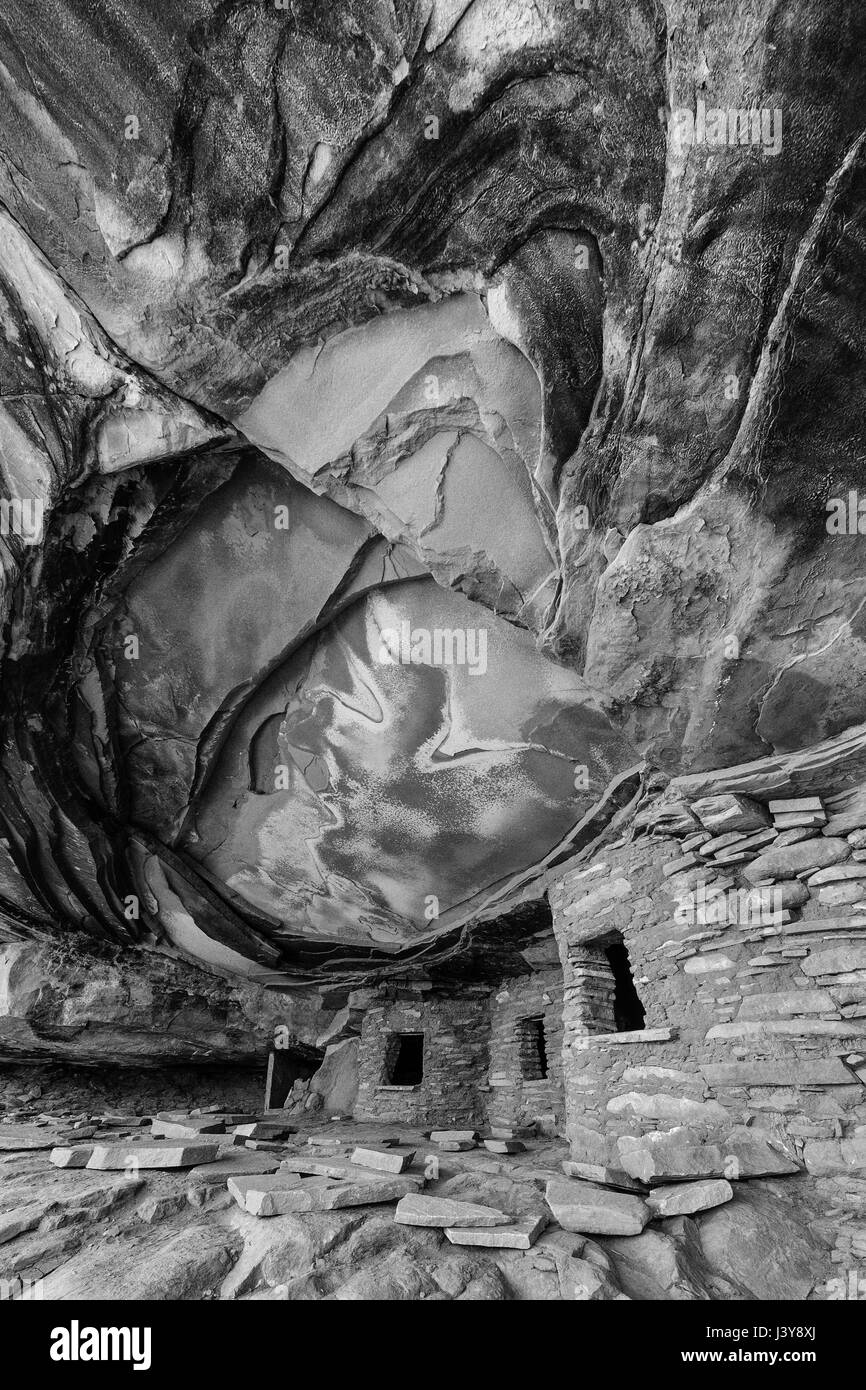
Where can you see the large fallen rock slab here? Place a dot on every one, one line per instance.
(748, 1156)
(662, 1158)
(600, 1173)
(685, 1198)
(579, 1206)
(419, 1209)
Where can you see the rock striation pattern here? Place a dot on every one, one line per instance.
(327, 334)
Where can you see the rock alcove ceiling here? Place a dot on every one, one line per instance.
(323, 325)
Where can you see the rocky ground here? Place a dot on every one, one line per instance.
(189, 1233)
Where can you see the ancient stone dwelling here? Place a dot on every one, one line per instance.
(711, 975)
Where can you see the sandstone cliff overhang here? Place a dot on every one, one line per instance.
(326, 333)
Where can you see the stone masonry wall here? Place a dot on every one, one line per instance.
(752, 970)
(456, 1033)
(514, 1097)
(753, 1022)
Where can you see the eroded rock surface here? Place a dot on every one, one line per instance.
(324, 333)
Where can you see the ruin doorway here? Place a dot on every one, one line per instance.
(288, 1060)
(404, 1060)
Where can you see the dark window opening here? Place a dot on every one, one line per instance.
(405, 1060)
(628, 1011)
(532, 1049)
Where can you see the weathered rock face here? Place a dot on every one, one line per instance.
(414, 426)
(129, 1010)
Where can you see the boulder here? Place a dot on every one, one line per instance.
(762, 1242)
(668, 1266)
(336, 1081)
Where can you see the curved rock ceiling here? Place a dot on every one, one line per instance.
(340, 342)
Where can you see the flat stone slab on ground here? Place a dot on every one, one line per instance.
(418, 1209)
(521, 1235)
(190, 1128)
(505, 1146)
(264, 1129)
(240, 1185)
(683, 1198)
(317, 1167)
(444, 1136)
(269, 1196)
(456, 1146)
(344, 1171)
(237, 1164)
(164, 1154)
(580, 1206)
(273, 1146)
(387, 1161)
